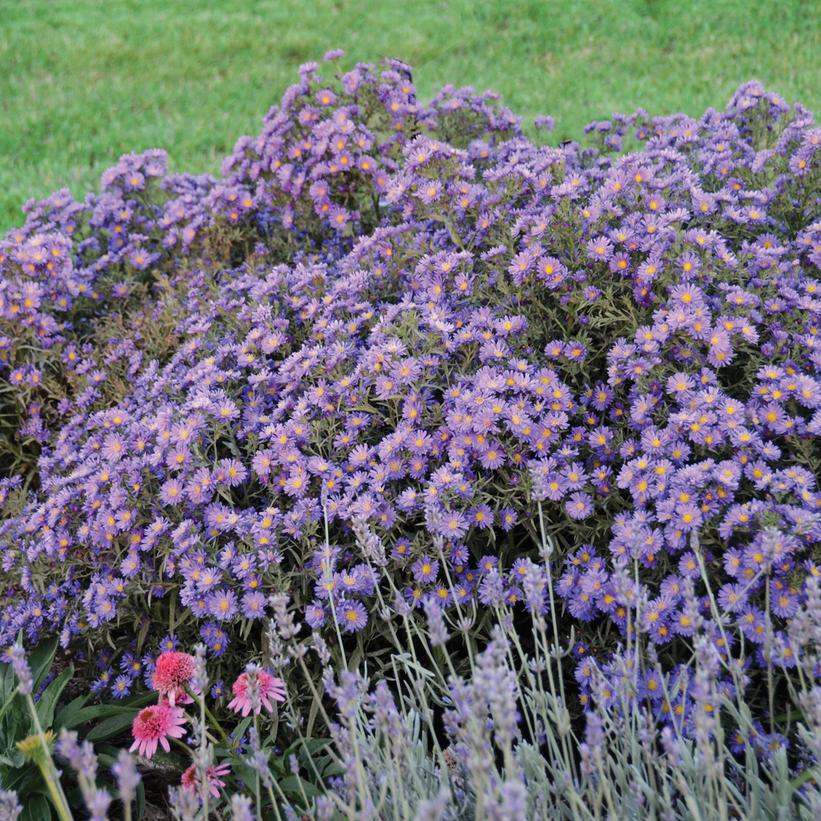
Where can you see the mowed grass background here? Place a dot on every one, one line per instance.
(83, 82)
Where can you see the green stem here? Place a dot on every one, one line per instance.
(54, 788)
(212, 718)
(256, 773)
(47, 768)
(203, 747)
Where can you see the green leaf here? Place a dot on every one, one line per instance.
(293, 785)
(48, 700)
(277, 766)
(21, 779)
(41, 658)
(16, 724)
(8, 702)
(111, 726)
(172, 759)
(107, 755)
(6, 761)
(332, 768)
(75, 716)
(64, 717)
(241, 728)
(8, 681)
(794, 715)
(309, 746)
(36, 808)
(140, 801)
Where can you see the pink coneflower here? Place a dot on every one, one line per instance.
(173, 671)
(213, 776)
(254, 690)
(155, 725)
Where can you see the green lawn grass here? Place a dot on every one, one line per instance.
(82, 82)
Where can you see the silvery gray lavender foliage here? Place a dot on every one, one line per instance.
(619, 764)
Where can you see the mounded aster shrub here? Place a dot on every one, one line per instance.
(395, 348)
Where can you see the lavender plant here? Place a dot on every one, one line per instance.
(510, 751)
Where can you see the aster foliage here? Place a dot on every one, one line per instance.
(396, 349)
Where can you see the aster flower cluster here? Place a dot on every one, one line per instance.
(407, 339)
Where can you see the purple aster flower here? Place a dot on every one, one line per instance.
(351, 616)
(253, 605)
(222, 604)
(425, 570)
(121, 686)
(579, 505)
